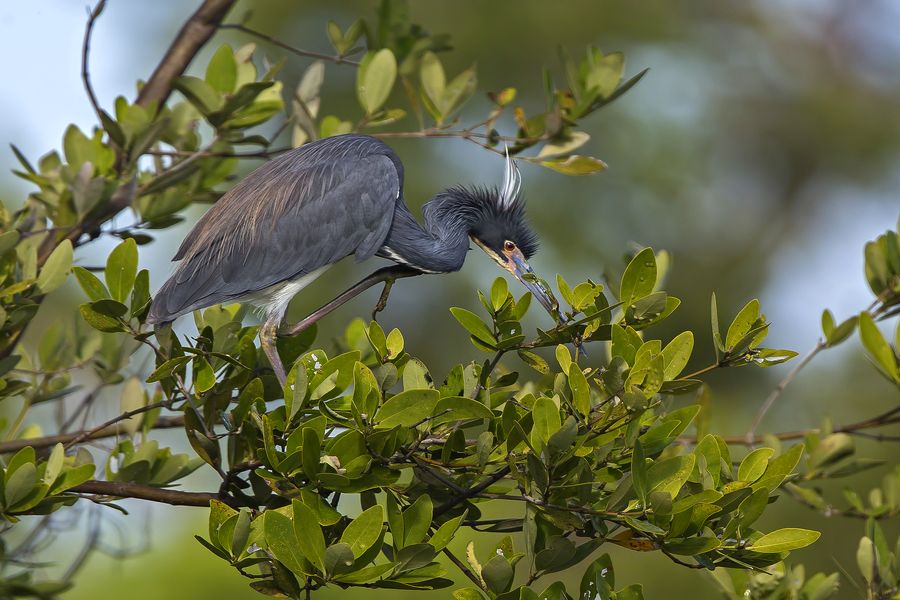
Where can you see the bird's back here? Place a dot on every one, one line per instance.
(299, 212)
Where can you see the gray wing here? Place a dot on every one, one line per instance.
(284, 220)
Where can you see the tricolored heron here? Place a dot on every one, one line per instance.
(286, 222)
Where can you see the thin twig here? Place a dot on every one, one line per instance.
(890, 417)
(776, 393)
(122, 417)
(292, 49)
(472, 492)
(465, 570)
(66, 438)
(702, 371)
(486, 373)
(85, 56)
(264, 154)
(119, 489)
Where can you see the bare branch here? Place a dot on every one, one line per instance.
(117, 419)
(776, 393)
(85, 55)
(67, 438)
(193, 35)
(299, 52)
(116, 489)
(472, 492)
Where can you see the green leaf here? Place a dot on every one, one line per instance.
(865, 559)
(72, 477)
(639, 473)
(310, 539)
(98, 320)
(677, 353)
(199, 93)
(754, 464)
(581, 392)
(204, 376)
(499, 293)
(407, 408)
(545, 415)
(474, 325)
(752, 507)
(54, 464)
(575, 165)
(460, 409)
(282, 542)
(8, 240)
(625, 342)
(534, 361)
(375, 79)
(878, 347)
(394, 343)
(364, 530)
(692, 546)
(718, 344)
(835, 334)
(434, 81)
(19, 484)
(564, 358)
(575, 140)
(332, 125)
(54, 272)
(417, 520)
(221, 72)
(295, 387)
(639, 277)
(445, 533)
(166, 369)
(498, 574)
(121, 269)
(780, 467)
(468, 594)
(670, 474)
(742, 324)
(338, 559)
(312, 452)
(783, 540)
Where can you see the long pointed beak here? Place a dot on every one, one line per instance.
(519, 267)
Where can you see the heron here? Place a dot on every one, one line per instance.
(289, 220)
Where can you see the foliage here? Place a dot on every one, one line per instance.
(574, 453)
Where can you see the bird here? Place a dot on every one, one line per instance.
(286, 222)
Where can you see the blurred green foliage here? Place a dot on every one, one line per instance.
(645, 487)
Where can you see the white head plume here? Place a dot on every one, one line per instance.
(512, 183)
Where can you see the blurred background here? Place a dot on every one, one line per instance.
(762, 150)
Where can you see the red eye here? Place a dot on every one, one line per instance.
(509, 246)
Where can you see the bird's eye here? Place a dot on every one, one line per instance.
(509, 246)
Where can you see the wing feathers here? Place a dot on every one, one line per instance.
(286, 219)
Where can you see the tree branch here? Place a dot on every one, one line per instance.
(85, 55)
(472, 492)
(299, 52)
(776, 393)
(67, 438)
(145, 492)
(193, 35)
(117, 419)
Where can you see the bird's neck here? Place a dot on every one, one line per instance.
(440, 245)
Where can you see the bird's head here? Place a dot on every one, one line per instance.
(503, 232)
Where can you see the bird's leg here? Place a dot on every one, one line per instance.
(267, 338)
(385, 274)
(382, 300)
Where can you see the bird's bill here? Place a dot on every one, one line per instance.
(521, 270)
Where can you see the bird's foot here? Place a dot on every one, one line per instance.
(382, 300)
(267, 337)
